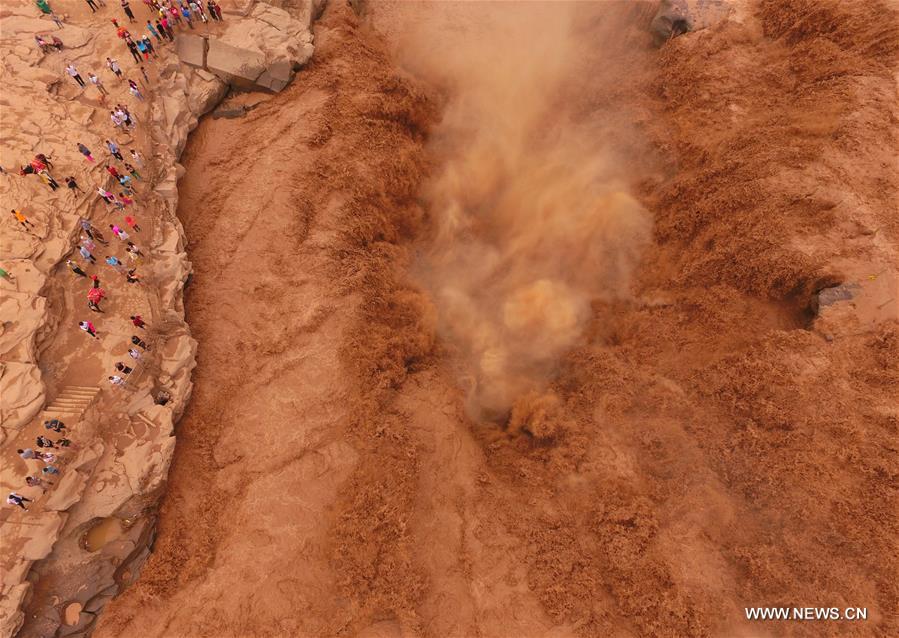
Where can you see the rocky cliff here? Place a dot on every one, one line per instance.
(86, 535)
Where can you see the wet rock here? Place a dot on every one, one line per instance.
(230, 113)
(834, 294)
(671, 20)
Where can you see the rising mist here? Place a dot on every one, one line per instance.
(529, 223)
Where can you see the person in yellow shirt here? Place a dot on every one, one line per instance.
(22, 219)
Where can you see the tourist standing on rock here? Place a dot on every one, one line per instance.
(97, 82)
(132, 171)
(185, 12)
(138, 321)
(142, 49)
(147, 41)
(167, 25)
(63, 442)
(125, 114)
(37, 481)
(132, 278)
(153, 31)
(127, 9)
(92, 5)
(42, 441)
(118, 232)
(54, 424)
(139, 343)
(42, 44)
(73, 185)
(18, 499)
(46, 457)
(160, 28)
(114, 151)
(137, 158)
(134, 253)
(132, 223)
(134, 354)
(122, 112)
(95, 281)
(100, 238)
(134, 90)
(115, 119)
(50, 469)
(5, 274)
(88, 327)
(86, 254)
(45, 159)
(145, 46)
(47, 179)
(75, 268)
(71, 70)
(121, 367)
(143, 72)
(112, 170)
(117, 265)
(92, 232)
(22, 219)
(132, 48)
(56, 20)
(218, 11)
(85, 151)
(116, 380)
(26, 454)
(88, 243)
(106, 195)
(94, 297)
(37, 165)
(113, 65)
(197, 10)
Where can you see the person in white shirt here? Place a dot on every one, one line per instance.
(71, 70)
(97, 82)
(17, 499)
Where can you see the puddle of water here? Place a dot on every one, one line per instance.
(102, 533)
(73, 613)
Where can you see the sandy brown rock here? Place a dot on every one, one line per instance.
(123, 442)
(261, 51)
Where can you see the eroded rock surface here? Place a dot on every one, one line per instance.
(262, 51)
(115, 471)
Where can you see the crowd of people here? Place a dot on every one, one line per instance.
(118, 190)
(164, 19)
(52, 459)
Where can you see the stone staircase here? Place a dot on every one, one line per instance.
(70, 403)
(147, 421)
